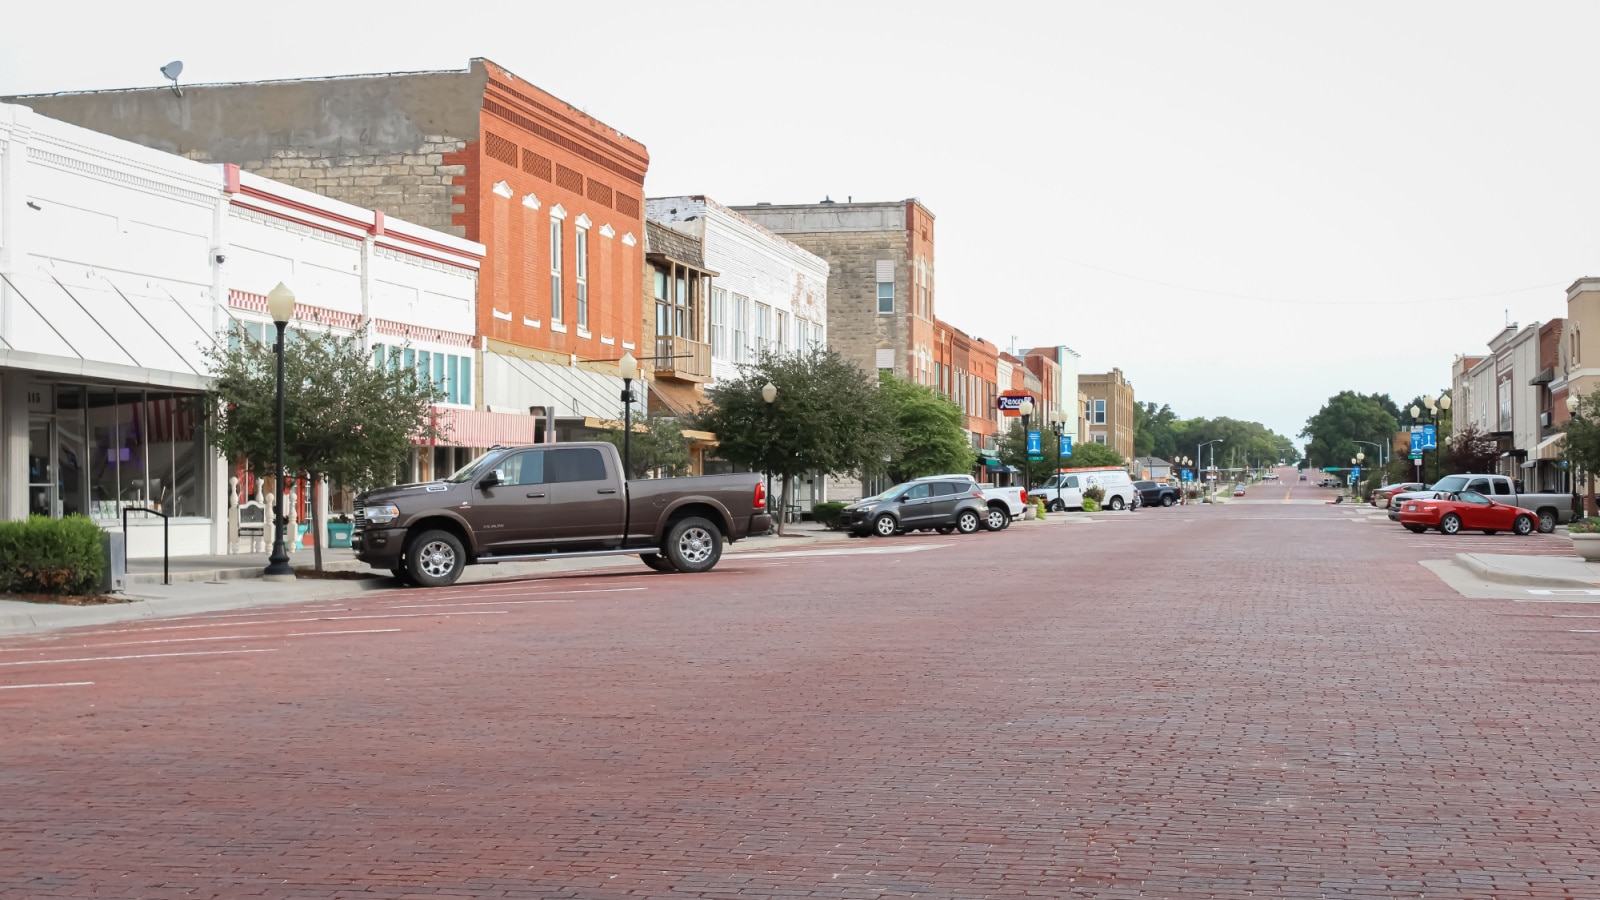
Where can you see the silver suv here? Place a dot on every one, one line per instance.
(944, 503)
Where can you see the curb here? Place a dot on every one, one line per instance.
(1496, 574)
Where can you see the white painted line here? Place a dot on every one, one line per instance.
(42, 662)
(353, 631)
(458, 603)
(1525, 600)
(179, 640)
(18, 687)
(1565, 592)
(510, 594)
(305, 619)
(1583, 631)
(864, 551)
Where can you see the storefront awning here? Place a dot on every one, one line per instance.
(680, 400)
(1547, 448)
(478, 428)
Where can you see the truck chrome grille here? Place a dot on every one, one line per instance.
(360, 516)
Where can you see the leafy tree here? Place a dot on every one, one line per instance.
(929, 431)
(828, 417)
(1583, 440)
(1153, 430)
(1089, 453)
(656, 445)
(345, 419)
(1344, 419)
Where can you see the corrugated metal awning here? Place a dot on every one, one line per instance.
(479, 428)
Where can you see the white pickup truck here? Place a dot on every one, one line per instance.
(1005, 504)
(1552, 509)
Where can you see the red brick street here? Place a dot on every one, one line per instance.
(1263, 699)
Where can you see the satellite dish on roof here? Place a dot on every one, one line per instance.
(171, 71)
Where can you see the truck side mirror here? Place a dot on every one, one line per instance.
(491, 478)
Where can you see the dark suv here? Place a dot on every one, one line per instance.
(1155, 493)
(945, 503)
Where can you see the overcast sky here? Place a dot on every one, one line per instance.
(1246, 207)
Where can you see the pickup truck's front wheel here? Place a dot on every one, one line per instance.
(658, 562)
(435, 559)
(694, 545)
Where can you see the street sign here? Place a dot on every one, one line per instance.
(1035, 445)
(1331, 469)
(1188, 475)
(1416, 454)
(1416, 442)
(1066, 445)
(1355, 473)
(1430, 437)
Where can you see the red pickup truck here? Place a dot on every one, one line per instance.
(553, 501)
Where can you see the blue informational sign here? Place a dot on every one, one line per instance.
(1188, 475)
(1355, 473)
(1430, 437)
(1035, 445)
(1416, 442)
(1066, 445)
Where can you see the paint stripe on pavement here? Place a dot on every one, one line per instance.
(18, 687)
(41, 662)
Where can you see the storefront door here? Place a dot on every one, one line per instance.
(42, 499)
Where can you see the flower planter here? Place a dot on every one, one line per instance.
(1588, 546)
(339, 534)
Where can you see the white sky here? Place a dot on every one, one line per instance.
(1352, 158)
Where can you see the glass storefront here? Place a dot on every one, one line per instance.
(100, 449)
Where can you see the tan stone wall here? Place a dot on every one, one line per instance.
(855, 329)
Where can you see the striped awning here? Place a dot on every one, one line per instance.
(480, 428)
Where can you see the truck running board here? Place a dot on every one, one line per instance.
(526, 557)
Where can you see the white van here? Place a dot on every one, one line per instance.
(1065, 490)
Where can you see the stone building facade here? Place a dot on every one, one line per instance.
(555, 196)
(880, 310)
(1108, 410)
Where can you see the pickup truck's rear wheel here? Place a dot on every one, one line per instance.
(435, 559)
(1547, 521)
(658, 562)
(693, 545)
(1167, 500)
(997, 519)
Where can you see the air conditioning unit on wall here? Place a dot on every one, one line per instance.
(1544, 420)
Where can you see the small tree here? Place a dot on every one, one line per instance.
(657, 443)
(828, 417)
(929, 431)
(1583, 440)
(1470, 450)
(344, 418)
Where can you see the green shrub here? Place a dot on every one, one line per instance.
(1096, 493)
(50, 556)
(1584, 526)
(827, 514)
(1090, 504)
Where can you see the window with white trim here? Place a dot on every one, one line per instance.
(580, 247)
(719, 323)
(741, 329)
(555, 270)
(885, 298)
(763, 328)
(1099, 412)
(783, 332)
(449, 372)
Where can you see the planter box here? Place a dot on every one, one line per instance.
(1588, 546)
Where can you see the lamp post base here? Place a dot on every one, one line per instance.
(278, 568)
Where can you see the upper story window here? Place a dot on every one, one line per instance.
(885, 270)
(741, 329)
(1099, 412)
(555, 271)
(580, 249)
(719, 323)
(450, 373)
(763, 328)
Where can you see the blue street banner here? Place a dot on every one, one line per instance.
(1188, 475)
(1066, 445)
(1355, 473)
(1430, 437)
(1416, 442)
(1035, 444)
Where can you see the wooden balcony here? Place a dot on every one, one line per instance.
(683, 359)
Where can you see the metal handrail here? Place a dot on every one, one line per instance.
(166, 543)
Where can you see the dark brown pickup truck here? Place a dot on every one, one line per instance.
(551, 501)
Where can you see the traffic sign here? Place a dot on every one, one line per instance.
(1188, 475)
(1416, 454)
(1066, 445)
(1355, 473)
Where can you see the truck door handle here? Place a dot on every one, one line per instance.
(534, 496)
(607, 491)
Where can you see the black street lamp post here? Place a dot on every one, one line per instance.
(1026, 408)
(280, 303)
(769, 393)
(629, 368)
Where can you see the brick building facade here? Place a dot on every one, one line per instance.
(554, 195)
(1108, 410)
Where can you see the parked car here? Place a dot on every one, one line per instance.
(1156, 493)
(550, 501)
(1005, 504)
(1065, 489)
(1465, 510)
(1380, 496)
(1238, 491)
(945, 503)
(1549, 510)
(1304, 478)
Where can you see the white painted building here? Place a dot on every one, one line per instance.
(769, 292)
(122, 264)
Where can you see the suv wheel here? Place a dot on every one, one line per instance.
(997, 519)
(885, 526)
(435, 559)
(967, 521)
(693, 545)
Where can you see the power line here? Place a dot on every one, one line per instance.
(1304, 302)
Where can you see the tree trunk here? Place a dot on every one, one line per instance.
(783, 508)
(316, 518)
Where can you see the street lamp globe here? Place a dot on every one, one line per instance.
(1361, 455)
(628, 367)
(769, 392)
(1428, 402)
(280, 304)
(1572, 402)
(1025, 408)
(1444, 401)
(1415, 412)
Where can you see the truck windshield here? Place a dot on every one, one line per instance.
(472, 469)
(1451, 484)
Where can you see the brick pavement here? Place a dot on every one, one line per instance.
(1253, 700)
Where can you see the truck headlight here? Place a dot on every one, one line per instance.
(382, 515)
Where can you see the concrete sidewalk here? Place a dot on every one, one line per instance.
(203, 587)
(1532, 571)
